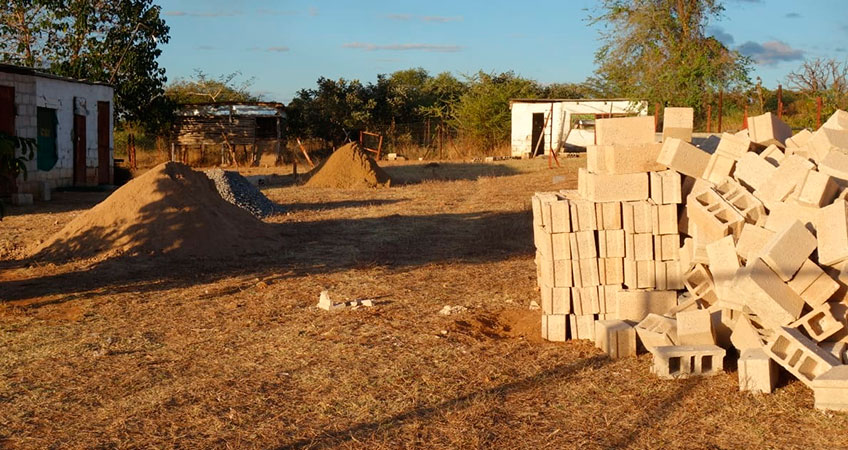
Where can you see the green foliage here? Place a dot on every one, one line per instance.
(332, 111)
(483, 111)
(657, 50)
(14, 154)
(115, 42)
(204, 89)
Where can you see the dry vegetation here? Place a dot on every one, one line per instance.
(233, 354)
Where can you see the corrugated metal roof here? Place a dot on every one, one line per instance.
(253, 109)
(22, 70)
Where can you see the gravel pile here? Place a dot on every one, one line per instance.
(235, 189)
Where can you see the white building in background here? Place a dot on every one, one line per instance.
(71, 121)
(553, 123)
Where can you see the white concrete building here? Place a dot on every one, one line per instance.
(71, 121)
(553, 123)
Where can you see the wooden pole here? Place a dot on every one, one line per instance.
(308, 159)
(745, 118)
(656, 116)
(720, 109)
(780, 101)
(818, 112)
(709, 117)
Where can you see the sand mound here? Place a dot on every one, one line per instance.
(170, 210)
(349, 168)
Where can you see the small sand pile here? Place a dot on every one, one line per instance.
(170, 210)
(349, 167)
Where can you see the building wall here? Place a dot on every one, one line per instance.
(522, 127)
(25, 113)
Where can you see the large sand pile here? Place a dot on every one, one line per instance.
(349, 167)
(170, 210)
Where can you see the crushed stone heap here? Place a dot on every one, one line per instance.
(756, 231)
(349, 167)
(235, 189)
(169, 210)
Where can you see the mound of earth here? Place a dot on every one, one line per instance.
(169, 210)
(349, 167)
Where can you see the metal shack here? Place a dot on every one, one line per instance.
(71, 121)
(542, 125)
(228, 133)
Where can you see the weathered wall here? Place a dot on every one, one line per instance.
(522, 127)
(25, 118)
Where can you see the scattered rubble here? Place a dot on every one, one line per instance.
(325, 303)
(449, 310)
(756, 232)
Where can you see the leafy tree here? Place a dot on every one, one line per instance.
(657, 50)
(112, 41)
(204, 89)
(483, 111)
(333, 111)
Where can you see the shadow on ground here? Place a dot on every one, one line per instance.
(446, 171)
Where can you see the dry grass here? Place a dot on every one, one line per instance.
(233, 354)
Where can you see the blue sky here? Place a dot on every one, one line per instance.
(286, 45)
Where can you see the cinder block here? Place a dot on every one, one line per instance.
(753, 171)
(582, 327)
(614, 243)
(695, 328)
(687, 361)
(643, 247)
(837, 121)
(555, 327)
(835, 164)
(713, 217)
(630, 280)
(757, 372)
(673, 275)
(586, 245)
(785, 179)
(556, 300)
(719, 167)
(671, 187)
(724, 262)
(664, 219)
(813, 284)
(768, 129)
(623, 158)
(660, 281)
(645, 275)
(678, 123)
(787, 250)
(560, 246)
(563, 273)
(611, 215)
(669, 247)
(830, 389)
(633, 304)
(827, 140)
(800, 139)
(833, 233)
(589, 275)
(783, 215)
(610, 188)
(625, 131)
(773, 155)
(657, 331)
(838, 349)
(750, 207)
(772, 300)
(683, 157)
(733, 146)
(818, 189)
(583, 216)
(744, 335)
(820, 323)
(616, 338)
(614, 270)
(799, 355)
(699, 283)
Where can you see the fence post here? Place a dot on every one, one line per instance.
(720, 109)
(818, 112)
(780, 101)
(709, 117)
(745, 118)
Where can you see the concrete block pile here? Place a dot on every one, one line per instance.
(697, 256)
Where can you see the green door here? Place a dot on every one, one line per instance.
(47, 155)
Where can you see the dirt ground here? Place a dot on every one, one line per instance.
(131, 353)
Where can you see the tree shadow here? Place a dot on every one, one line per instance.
(324, 206)
(363, 430)
(446, 171)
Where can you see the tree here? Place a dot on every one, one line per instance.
(657, 50)
(483, 111)
(333, 111)
(822, 77)
(205, 89)
(111, 41)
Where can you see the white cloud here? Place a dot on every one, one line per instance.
(771, 52)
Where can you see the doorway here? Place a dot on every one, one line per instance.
(47, 155)
(538, 133)
(79, 150)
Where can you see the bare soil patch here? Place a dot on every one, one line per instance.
(151, 351)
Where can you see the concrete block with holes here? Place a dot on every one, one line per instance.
(769, 297)
(821, 323)
(788, 249)
(656, 330)
(799, 355)
(830, 389)
(695, 328)
(699, 282)
(684, 361)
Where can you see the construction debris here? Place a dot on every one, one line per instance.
(448, 310)
(325, 303)
(237, 190)
(756, 232)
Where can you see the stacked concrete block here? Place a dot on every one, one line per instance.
(759, 247)
(678, 123)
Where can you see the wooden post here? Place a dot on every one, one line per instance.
(745, 118)
(278, 145)
(709, 117)
(720, 109)
(656, 117)
(818, 112)
(780, 101)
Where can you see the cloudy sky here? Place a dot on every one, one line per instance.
(286, 45)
